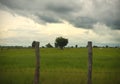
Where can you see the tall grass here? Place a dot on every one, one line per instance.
(68, 66)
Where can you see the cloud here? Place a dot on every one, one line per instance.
(22, 31)
(84, 22)
(60, 8)
(80, 13)
(49, 19)
(104, 33)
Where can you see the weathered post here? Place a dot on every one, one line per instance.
(35, 44)
(89, 63)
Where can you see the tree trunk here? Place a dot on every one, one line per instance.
(61, 48)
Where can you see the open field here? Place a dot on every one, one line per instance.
(68, 66)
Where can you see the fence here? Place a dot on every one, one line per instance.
(35, 44)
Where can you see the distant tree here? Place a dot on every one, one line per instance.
(49, 45)
(43, 47)
(61, 42)
(95, 46)
(76, 46)
(106, 46)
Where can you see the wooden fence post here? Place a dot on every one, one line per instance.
(37, 53)
(89, 63)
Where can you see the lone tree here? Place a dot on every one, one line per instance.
(61, 42)
(49, 45)
(76, 46)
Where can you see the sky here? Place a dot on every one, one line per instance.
(80, 21)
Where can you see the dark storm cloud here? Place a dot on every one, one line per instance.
(80, 13)
(60, 8)
(84, 22)
(15, 4)
(49, 19)
(114, 24)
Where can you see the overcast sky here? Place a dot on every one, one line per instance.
(22, 21)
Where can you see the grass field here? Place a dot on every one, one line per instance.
(68, 66)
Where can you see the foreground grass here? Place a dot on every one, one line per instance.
(68, 66)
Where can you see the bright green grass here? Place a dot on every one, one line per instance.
(68, 66)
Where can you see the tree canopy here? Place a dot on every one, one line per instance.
(61, 42)
(49, 45)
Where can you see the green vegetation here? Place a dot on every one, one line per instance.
(61, 42)
(68, 66)
(49, 45)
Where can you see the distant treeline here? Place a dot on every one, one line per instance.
(106, 46)
(13, 47)
(50, 46)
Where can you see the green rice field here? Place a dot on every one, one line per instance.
(68, 66)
